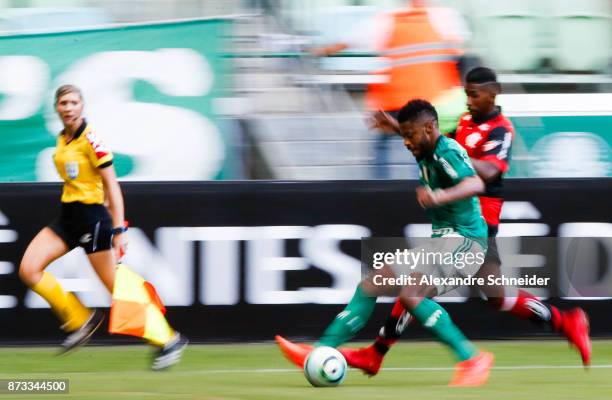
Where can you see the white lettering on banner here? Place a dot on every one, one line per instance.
(147, 132)
(6, 267)
(265, 265)
(510, 249)
(319, 247)
(513, 259)
(323, 250)
(516, 229)
(3, 219)
(169, 267)
(23, 82)
(265, 262)
(581, 274)
(219, 258)
(220, 272)
(519, 210)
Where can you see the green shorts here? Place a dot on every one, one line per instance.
(440, 261)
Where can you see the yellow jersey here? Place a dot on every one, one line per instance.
(78, 163)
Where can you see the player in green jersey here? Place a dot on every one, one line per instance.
(447, 176)
(448, 193)
(486, 134)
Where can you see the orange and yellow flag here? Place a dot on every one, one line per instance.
(136, 309)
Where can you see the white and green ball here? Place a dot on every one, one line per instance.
(325, 366)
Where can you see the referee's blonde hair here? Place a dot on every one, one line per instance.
(65, 89)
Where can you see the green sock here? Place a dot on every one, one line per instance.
(435, 318)
(349, 321)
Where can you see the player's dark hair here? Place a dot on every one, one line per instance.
(65, 89)
(415, 109)
(481, 75)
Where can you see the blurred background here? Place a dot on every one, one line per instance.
(221, 93)
(277, 89)
(250, 176)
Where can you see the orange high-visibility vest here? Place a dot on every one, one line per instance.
(421, 63)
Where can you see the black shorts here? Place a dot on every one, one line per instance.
(84, 225)
(492, 255)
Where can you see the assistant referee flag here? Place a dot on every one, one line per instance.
(136, 309)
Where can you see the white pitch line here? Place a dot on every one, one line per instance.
(398, 369)
(296, 370)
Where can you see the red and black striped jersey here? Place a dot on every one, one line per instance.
(489, 139)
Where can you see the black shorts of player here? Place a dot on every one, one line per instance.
(492, 255)
(84, 225)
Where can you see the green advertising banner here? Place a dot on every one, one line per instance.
(562, 146)
(149, 92)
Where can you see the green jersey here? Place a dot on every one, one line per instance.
(449, 165)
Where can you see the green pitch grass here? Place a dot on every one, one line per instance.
(530, 370)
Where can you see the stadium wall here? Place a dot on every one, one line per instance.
(238, 261)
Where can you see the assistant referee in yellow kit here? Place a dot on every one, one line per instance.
(86, 167)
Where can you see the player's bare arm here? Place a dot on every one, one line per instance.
(115, 207)
(486, 170)
(468, 187)
(329, 50)
(383, 121)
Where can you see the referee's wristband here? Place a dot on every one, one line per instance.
(120, 229)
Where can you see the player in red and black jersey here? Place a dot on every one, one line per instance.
(487, 136)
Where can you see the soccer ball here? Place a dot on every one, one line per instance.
(325, 366)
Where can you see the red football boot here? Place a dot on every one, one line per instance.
(473, 372)
(366, 359)
(575, 327)
(295, 352)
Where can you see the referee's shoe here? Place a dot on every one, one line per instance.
(82, 335)
(170, 353)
